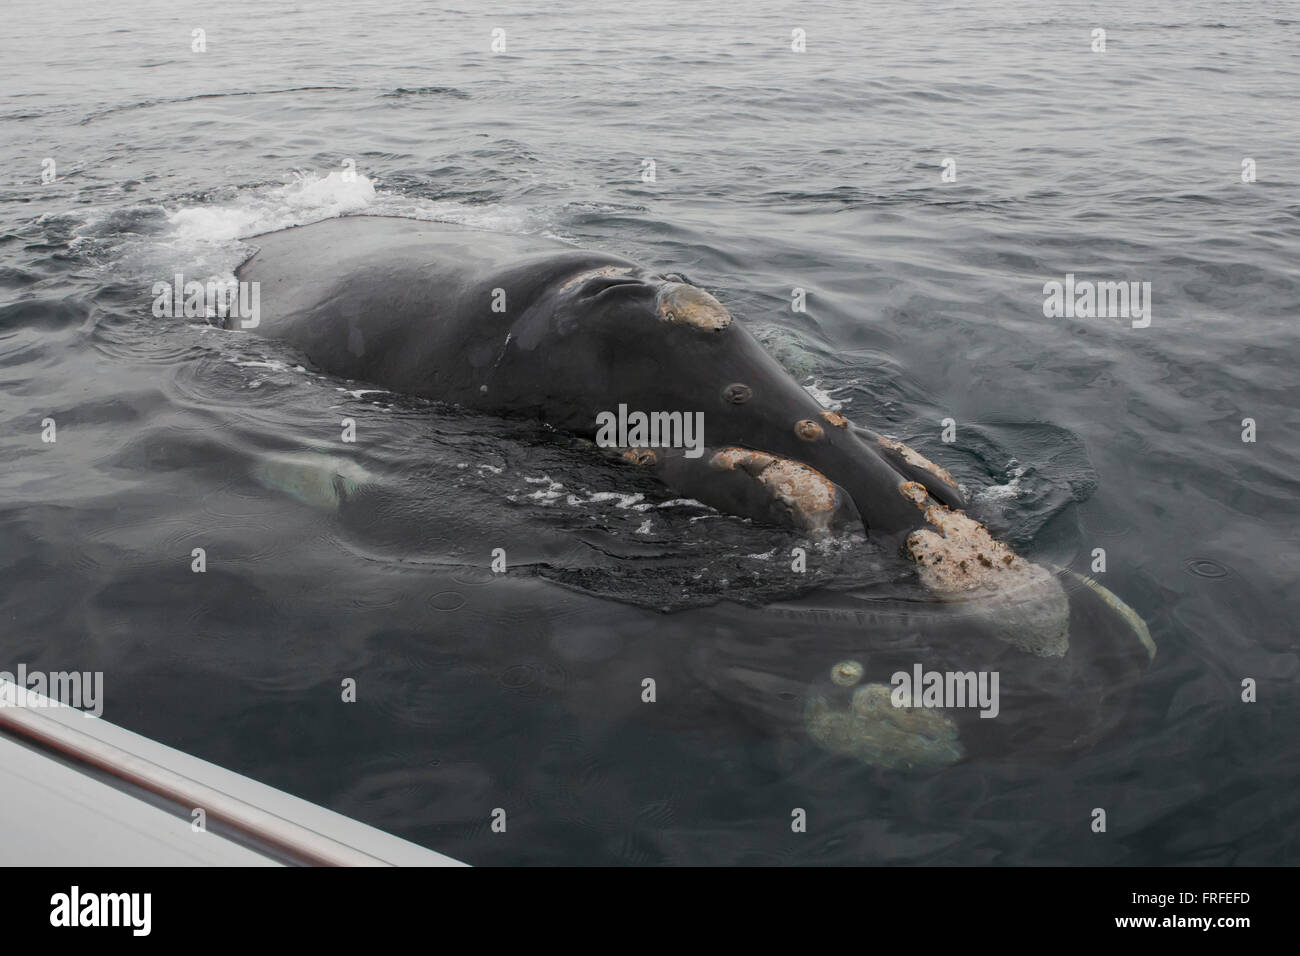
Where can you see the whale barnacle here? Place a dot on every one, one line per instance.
(808, 430)
(737, 393)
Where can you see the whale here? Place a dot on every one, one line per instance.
(534, 327)
(525, 326)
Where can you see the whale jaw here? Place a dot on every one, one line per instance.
(957, 559)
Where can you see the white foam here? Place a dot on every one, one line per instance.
(309, 198)
(823, 397)
(205, 240)
(1010, 490)
(620, 500)
(274, 365)
(683, 503)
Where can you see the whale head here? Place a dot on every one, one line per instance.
(774, 453)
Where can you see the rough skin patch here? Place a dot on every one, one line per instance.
(644, 457)
(877, 733)
(688, 305)
(960, 554)
(959, 559)
(917, 460)
(836, 419)
(809, 493)
(592, 273)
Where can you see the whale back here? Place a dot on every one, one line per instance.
(415, 306)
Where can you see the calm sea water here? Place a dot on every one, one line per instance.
(774, 169)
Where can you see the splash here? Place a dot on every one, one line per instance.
(309, 198)
(208, 240)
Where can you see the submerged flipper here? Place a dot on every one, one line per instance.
(319, 480)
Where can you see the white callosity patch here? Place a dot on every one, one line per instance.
(957, 559)
(799, 485)
(811, 497)
(687, 305)
(917, 460)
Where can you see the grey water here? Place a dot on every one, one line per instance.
(921, 170)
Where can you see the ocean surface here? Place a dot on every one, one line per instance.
(774, 169)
